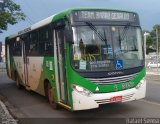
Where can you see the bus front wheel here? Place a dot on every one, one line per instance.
(50, 94)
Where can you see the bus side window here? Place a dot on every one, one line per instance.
(27, 44)
(17, 50)
(41, 41)
(34, 51)
(45, 40)
(12, 48)
(48, 43)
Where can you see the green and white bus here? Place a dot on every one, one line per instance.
(80, 58)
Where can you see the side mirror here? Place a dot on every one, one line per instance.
(69, 35)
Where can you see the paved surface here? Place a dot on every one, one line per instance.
(5, 117)
(23, 104)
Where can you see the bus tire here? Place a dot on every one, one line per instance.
(50, 95)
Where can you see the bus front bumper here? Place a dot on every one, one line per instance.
(82, 102)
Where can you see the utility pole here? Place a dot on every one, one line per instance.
(145, 40)
(157, 46)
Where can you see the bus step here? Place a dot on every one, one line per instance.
(65, 106)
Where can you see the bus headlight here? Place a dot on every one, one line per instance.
(82, 90)
(140, 83)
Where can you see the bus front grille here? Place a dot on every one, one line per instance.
(113, 80)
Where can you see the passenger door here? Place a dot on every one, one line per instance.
(60, 64)
(25, 60)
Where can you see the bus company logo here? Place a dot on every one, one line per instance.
(97, 88)
(115, 73)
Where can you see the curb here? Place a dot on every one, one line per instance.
(6, 117)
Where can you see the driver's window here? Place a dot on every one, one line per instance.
(91, 44)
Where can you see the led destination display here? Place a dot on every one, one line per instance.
(103, 15)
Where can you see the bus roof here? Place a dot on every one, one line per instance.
(56, 17)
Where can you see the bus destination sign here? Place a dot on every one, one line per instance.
(103, 15)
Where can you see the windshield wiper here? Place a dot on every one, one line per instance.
(97, 32)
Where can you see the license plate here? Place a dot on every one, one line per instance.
(116, 99)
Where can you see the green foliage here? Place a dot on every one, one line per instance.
(156, 27)
(151, 40)
(11, 14)
(150, 50)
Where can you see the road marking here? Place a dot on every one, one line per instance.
(146, 101)
(154, 82)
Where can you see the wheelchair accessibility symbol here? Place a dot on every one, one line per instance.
(119, 64)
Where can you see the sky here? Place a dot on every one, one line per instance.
(36, 10)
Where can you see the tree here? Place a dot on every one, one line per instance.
(154, 36)
(10, 14)
(151, 40)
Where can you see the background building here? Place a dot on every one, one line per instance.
(2, 52)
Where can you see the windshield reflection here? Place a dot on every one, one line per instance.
(106, 48)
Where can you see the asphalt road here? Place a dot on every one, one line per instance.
(24, 104)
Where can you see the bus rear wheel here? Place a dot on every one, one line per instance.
(50, 95)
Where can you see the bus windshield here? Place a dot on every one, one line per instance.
(107, 48)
